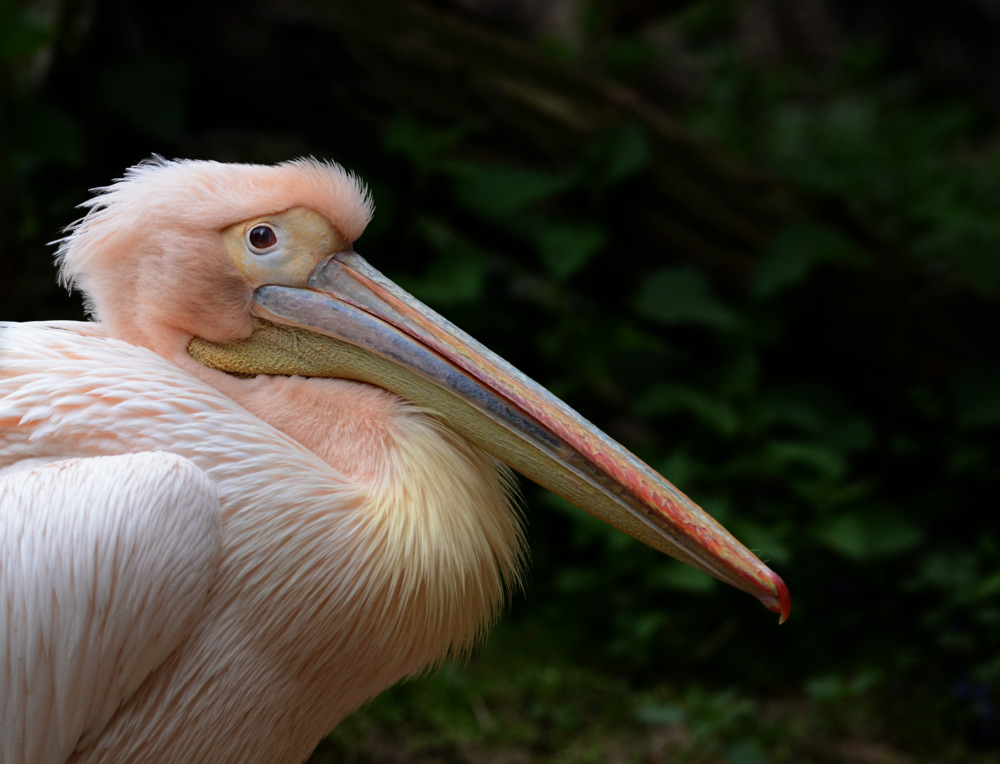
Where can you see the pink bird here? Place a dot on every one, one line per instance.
(266, 483)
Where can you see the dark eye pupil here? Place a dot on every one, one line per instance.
(262, 237)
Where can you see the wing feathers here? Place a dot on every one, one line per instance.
(104, 566)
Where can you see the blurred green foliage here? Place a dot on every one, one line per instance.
(875, 509)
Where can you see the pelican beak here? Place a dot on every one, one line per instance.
(352, 322)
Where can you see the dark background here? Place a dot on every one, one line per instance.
(755, 241)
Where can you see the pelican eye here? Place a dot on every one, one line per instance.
(261, 239)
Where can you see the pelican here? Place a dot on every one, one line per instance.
(265, 483)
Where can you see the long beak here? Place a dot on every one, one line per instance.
(353, 322)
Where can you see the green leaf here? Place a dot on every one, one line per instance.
(668, 399)
(851, 435)
(683, 578)
(681, 296)
(616, 155)
(816, 457)
(565, 248)
(765, 541)
(679, 467)
(869, 535)
(837, 688)
(793, 254)
(457, 271)
(23, 32)
(419, 142)
(452, 279)
(499, 191)
(746, 752)
(660, 715)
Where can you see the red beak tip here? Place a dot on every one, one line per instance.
(783, 604)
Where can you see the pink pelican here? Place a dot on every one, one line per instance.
(266, 483)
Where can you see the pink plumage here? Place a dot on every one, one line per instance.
(205, 562)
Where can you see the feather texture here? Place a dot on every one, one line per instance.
(329, 575)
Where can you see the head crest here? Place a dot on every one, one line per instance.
(177, 199)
